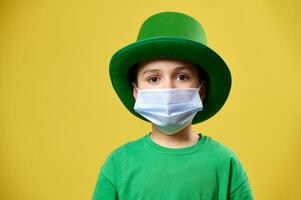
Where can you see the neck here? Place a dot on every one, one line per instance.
(184, 138)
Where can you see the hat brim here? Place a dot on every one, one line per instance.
(178, 48)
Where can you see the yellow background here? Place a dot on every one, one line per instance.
(60, 117)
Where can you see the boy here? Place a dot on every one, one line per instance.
(169, 77)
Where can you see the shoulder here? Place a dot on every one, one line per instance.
(220, 150)
(131, 147)
(121, 154)
(226, 158)
(230, 164)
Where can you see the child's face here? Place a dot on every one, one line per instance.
(167, 73)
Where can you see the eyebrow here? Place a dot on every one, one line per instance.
(176, 69)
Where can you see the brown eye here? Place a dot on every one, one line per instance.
(152, 79)
(183, 77)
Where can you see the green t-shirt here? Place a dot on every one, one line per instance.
(144, 170)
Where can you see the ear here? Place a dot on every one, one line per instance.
(135, 92)
(203, 90)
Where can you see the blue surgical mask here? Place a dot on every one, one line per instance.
(170, 110)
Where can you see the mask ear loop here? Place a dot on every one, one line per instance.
(136, 87)
(200, 86)
(138, 90)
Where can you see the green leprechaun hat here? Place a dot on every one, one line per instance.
(178, 36)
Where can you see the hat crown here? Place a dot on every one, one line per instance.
(172, 24)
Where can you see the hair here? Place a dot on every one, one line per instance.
(132, 75)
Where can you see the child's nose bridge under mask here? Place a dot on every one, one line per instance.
(200, 86)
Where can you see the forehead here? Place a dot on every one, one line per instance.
(165, 64)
